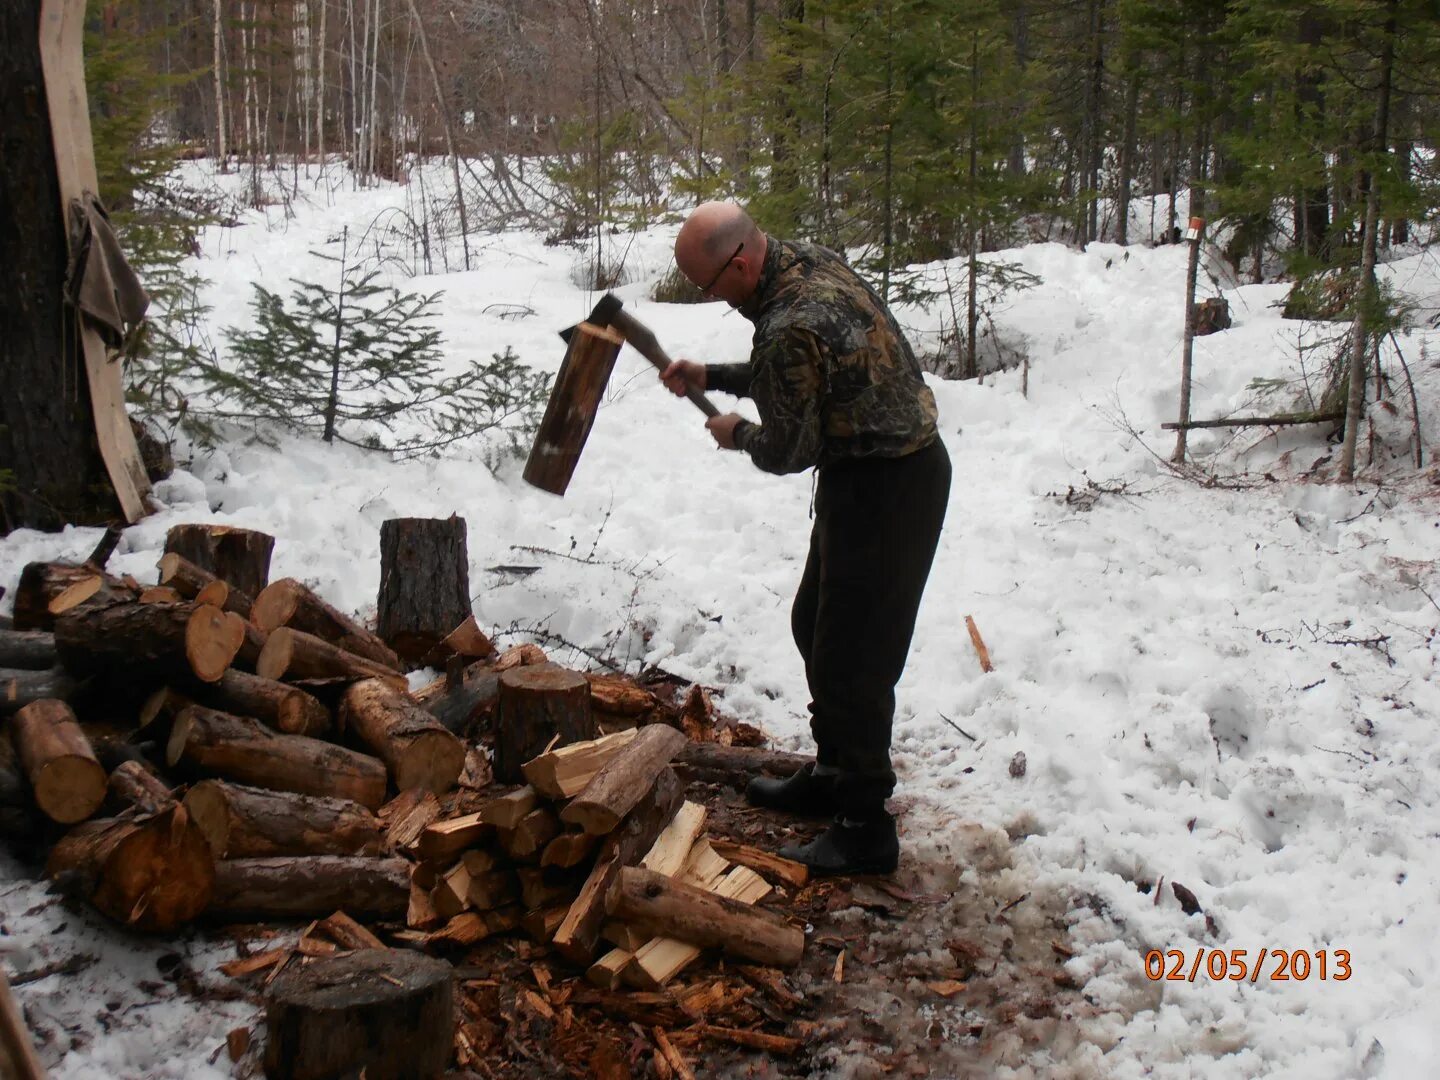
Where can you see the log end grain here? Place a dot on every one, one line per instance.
(212, 640)
(274, 658)
(276, 604)
(70, 788)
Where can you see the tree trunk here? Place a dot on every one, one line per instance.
(250, 753)
(242, 822)
(67, 780)
(240, 557)
(424, 583)
(310, 886)
(384, 1015)
(1188, 347)
(574, 400)
(290, 603)
(419, 751)
(538, 702)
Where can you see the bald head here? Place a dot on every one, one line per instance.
(707, 246)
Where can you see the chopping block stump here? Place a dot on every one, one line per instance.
(387, 1012)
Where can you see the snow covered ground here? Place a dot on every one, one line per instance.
(1231, 687)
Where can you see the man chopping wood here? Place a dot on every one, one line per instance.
(839, 390)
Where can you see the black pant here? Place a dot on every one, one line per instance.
(877, 522)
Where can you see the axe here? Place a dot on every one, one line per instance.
(610, 312)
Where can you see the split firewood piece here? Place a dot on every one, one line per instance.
(248, 752)
(562, 773)
(771, 866)
(538, 890)
(242, 822)
(29, 650)
(537, 703)
(451, 894)
(408, 815)
(578, 935)
(348, 933)
(293, 604)
(540, 926)
(773, 983)
(524, 655)
(606, 972)
(697, 715)
(704, 868)
(418, 750)
(623, 936)
(492, 889)
(569, 849)
(67, 780)
(735, 765)
(424, 583)
(297, 655)
(980, 650)
(162, 594)
(285, 708)
(152, 873)
(18, 1059)
(238, 556)
(623, 780)
(309, 886)
(508, 810)
(751, 1040)
(375, 1013)
(670, 908)
(444, 840)
(20, 687)
(531, 833)
(420, 913)
(135, 785)
(671, 850)
(619, 695)
(196, 583)
(662, 958)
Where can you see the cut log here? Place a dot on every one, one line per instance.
(530, 835)
(129, 642)
(135, 785)
(68, 781)
(238, 556)
(248, 752)
(298, 655)
(21, 688)
(574, 400)
(151, 873)
(29, 650)
(671, 851)
(618, 695)
(540, 926)
(241, 822)
(506, 811)
(159, 710)
(190, 581)
(424, 584)
(623, 780)
(310, 886)
(459, 708)
(213, 638)
(287, 709)
(538, 703)
(42, 584)
(418, 750)
(292, 603)
(563, 773)
(660, 959)
(569, 849)
(384, 1015)
(670, 908)
(159, 594)
(792, 873)
(577, 937)
(735, 765)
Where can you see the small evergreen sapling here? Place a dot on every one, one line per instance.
(361, 363)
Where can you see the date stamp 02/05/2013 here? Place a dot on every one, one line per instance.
(1247, 965)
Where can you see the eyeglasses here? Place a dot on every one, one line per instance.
(723, 267)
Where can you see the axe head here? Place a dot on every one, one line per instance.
(601, 315)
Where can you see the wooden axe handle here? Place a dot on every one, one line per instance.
(639, 335)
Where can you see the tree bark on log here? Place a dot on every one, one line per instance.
(387, 1015)
(150, 873)
(579, 934)
(669, 908)
(248, 752)
(536, 703)
(30, 650)
(298, 655)
(287, 709)
(242, 822)
(67, 780)
(42, 584)
(240, 557)
(419, 751)
(570, 414)
(623, 780)
(310, 886)
(20, 688)
(130, 643)
(424, 583)
(735, 765)
(190, 581)
(134, 785)
(291, 603)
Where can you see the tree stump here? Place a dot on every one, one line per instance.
(1212, 315)
(239, 556)
(388, 1013)
(424, 583)
(537, 703)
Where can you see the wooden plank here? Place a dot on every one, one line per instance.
(62, 32)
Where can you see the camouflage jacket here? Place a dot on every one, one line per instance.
(830, 372)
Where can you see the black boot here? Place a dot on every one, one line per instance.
(850, 847)
(803, 793)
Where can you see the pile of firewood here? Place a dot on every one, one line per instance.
(225, 747)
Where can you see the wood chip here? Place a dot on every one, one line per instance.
(237, 1042)
(946, 987)
(840, 966)
(672, 1056)
(249, 965)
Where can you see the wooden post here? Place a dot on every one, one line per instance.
(574, 400)
(424, 583)
(538, 702)
(1193, 234)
